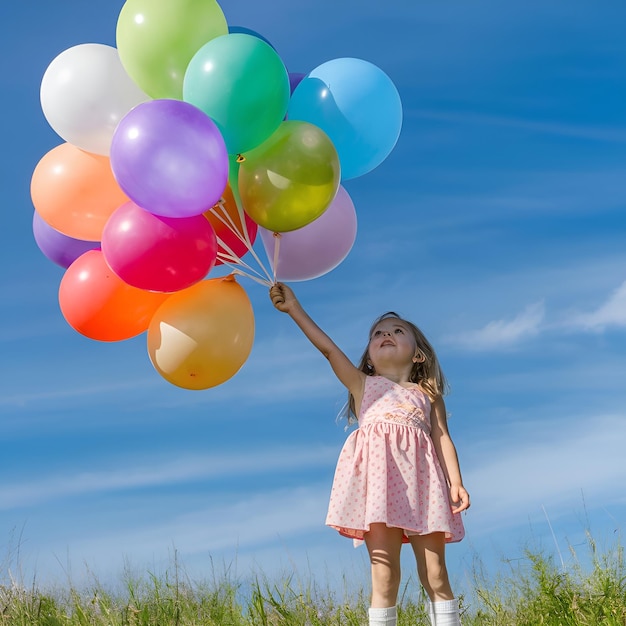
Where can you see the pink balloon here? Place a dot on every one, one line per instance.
(158, 253)
(318, 247)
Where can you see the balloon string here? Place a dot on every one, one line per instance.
(226, 219)
(228, 257)
(250, 270)
(243, 236)
(276, 252)
(261, 281)
(258, 260)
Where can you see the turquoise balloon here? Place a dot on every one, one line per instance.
(242, 84)
(357, 105)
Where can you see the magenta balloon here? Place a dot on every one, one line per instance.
(318, 247)
(170, 158)
(158, 253)
(59, 248)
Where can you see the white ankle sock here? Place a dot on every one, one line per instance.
(383, 617)
(446, 613)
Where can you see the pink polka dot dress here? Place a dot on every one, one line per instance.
(388, 470)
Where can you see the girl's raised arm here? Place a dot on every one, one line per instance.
(284, 299)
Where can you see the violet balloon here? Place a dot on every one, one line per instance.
(158, 253)
(318, 247)
(59, 248)
(170, 158)
(295, 78)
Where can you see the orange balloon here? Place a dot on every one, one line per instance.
(201, 336)
(75, 192)
(226, 222)
(100, 305)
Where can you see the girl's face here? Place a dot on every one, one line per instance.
(392, 340)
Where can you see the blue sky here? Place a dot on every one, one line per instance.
(498, 224)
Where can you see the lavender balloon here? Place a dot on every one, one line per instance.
(59, 248)
(170, 158)
(318, 247)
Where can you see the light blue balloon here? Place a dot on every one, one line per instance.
(357, 105)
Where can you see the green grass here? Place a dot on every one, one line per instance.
(531, 591)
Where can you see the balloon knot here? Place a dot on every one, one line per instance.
(240, 158)
(277, 235)
(219, 204)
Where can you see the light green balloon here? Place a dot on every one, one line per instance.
(241, 83)
(156, 39)
(290, 179)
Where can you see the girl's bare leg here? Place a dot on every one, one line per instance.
(383, 545)
(431, 565)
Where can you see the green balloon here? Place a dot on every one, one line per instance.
(156, 39)
(241, 83)
(290, 179)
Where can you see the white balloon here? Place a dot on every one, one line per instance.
(85, 92)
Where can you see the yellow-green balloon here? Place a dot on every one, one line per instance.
(291, 178)
(156, 39)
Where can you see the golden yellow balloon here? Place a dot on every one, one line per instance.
(201, 336)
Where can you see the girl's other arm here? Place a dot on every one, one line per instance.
(285, 300)
(446, 452)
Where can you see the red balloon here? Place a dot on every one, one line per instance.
(158, 253)
(100, 305)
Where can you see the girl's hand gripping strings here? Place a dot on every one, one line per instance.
(282, 297)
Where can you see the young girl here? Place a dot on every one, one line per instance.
(398, 478)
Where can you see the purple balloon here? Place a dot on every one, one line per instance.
(294, 80)
(170, 158)
(318, 247)
(59, 248)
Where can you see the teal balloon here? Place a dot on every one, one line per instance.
(357, 105)
(241, 83)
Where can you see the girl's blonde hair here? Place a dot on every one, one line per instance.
(427, 373)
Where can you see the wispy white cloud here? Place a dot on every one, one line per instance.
(585, 453)
(502, 334)
(239, 528)
(162, 472)
(610, 314)
(533, 320)
(73, 391)
(247, 521)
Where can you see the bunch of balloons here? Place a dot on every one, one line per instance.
(181, 144)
